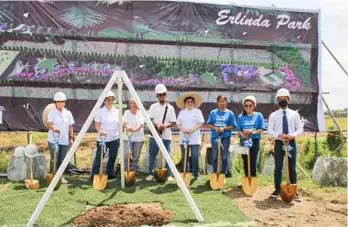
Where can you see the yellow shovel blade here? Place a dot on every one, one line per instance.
(32, 185)
(249, 186)
(100, 181)
(217, 181)
(161, 174)
(288, 192)
(49, 178)
(129, 177)
(186, 177)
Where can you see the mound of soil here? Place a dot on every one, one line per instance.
(124, 215)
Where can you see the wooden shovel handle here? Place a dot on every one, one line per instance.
(31, 170)
(219, 157)
(55, 159)
(101, 159)
(129, 156)
(185, 158)
(286, 144)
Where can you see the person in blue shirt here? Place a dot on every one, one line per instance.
(221, 121)
(250, 125)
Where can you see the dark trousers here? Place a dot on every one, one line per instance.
(110, 168)
(254, 152)
(278, 160)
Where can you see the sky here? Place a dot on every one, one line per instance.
(334, 32)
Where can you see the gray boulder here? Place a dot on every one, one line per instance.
(18, 168)
(330, 172)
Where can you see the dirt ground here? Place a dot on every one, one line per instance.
(312, 211)
(124, 215)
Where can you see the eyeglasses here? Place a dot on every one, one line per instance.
(163, 94)
(248, 106)
(189, 102)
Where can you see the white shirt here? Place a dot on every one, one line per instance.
(156, 112)
(108, 123)
(189, 119)
(133, 120)
(275, 123)
(61, 120)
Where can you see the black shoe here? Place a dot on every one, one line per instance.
(240, 185)
(297, 198)
(228, 174)
(275, 194)
(111, 177)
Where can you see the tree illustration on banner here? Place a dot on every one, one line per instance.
(81, 16)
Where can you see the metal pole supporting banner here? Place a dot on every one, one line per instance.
(162, 148)
(71, 152)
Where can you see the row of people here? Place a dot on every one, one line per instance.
(284, 124)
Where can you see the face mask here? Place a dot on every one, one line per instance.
(283, 103)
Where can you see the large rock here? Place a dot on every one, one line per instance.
(18, 168)
(330, 172)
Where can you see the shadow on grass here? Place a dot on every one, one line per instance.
(235, 193)
(271, 203)
(166, 188)
(201, 188)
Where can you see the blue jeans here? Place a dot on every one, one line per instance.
(153, 151)
(279, 154)
(110, 168)
(194, 156)
(61, 153)
(224, 153)
(254, 151)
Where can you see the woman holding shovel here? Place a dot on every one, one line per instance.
(189, 122)
(250, 125)
(284, 125)
(134, 128)
(106, 124)
(60, 123)
(221, 121)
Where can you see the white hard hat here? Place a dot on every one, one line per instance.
(283, 92)
(250, 98)
(19, 152)
(110, 94)
(160, 89)
(30, 150)
(59, 96)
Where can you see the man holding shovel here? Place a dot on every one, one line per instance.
(284, 125)
(163, 117)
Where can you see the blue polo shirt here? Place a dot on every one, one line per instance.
(221, 119)
(254, 122)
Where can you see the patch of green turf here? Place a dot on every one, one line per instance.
(17, 203)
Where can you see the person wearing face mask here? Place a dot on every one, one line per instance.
(106, 124)
(284, 125)
(189, 122)
(60, 123)
(163, 117)
(250, 125)
(221, 121)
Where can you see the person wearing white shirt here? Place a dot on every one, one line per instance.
(134, 128)
(61, 132)
(158, 112)
(189, 122)
(284, 125)
(106, 124)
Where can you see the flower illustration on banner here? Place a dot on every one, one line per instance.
(291, 80)
(235, 73)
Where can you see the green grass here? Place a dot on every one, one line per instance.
(17, 203)
(342, 122)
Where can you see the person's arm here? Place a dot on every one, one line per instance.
(50, 123)
(211, 122)
(97, 123)
(298, 127)
(171, 117)
(271, 125)
(71, 129)
(261, 125)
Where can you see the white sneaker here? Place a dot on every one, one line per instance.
(64, 181)
(149, 178)
(170, 179)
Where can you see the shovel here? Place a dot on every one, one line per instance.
(249, 183)
(130, 175)
(161, 173)
(287, 191)
(32, 184)
(186, 177)
(217, 179)
(49, 176)
(99, 180)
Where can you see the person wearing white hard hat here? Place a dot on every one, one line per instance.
(284, 124)
(250, 125)
(163, 117)
(189, 122)
(60, 122)
(106, 124)
(134, 128)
